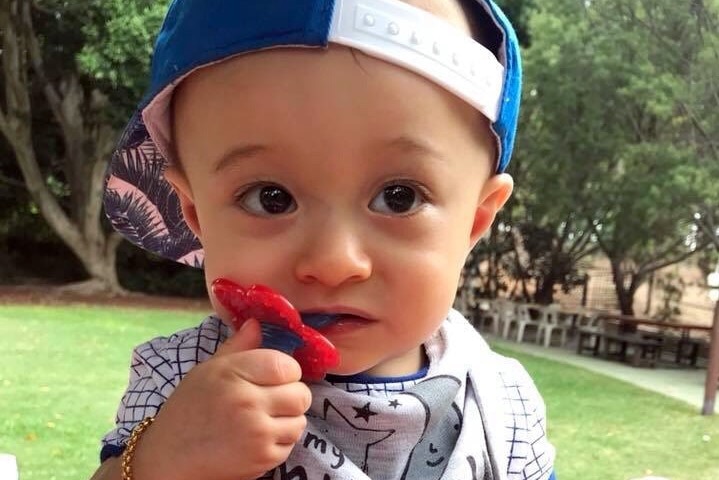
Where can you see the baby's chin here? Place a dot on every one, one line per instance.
(408, 364)
(346, 371)
(349, 366)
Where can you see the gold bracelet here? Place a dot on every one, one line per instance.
(131, 445)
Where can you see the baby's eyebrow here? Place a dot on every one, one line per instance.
(413, 145)
(237, 154)
(406, 144)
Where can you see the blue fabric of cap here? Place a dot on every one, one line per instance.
(506, 124)
(199, 32)
(139, 202)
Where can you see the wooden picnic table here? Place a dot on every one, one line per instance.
(684, 328)
(687, 348)
(578, 311)
(628, 347)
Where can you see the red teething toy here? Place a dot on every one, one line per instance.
(313, 352)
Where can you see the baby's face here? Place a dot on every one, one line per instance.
(347, 184)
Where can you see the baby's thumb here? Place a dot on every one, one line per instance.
(248, 337)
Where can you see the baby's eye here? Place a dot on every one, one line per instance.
(397, 199)
(264, 200)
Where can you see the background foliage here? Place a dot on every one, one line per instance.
(617, 153)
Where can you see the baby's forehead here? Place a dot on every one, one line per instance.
(280, 91)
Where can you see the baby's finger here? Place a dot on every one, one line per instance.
(271, 457)
(290, 400)
(290, 429)
(248, 337)
(266, 367)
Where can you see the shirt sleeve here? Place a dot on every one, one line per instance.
(156, 369)
(531, 455)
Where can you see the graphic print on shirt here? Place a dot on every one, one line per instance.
(443, 424)
(353, 432)
(478, 471)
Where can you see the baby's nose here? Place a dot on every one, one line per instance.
(333, 254)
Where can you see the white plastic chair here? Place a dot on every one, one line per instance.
(483, 313)
(492, 315)
(550, 321)
(507, 315)
(524, 320)
(590, 326)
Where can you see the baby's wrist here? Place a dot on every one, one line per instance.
(144, 462)
(128, 455)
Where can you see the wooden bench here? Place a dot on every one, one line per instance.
(682, 350)
(630, 347)
(689, 349)
(588, 340)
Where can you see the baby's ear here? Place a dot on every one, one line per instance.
(494, 195)
(178, 180)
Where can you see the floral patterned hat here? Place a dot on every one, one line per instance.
(143, 207)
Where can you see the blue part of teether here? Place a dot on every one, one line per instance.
(318, 320)
(279, 338)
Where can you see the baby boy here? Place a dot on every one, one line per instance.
(348, 154)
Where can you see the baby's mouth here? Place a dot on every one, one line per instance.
(320, 321)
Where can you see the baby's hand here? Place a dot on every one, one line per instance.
(232, 417)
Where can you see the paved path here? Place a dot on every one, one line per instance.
(685, 384)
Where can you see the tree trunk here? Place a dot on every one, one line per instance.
(492, 283)
(625, 295)
(80, 228)
(626, 301)
(545, 291)
(100, 263)
(650, 292)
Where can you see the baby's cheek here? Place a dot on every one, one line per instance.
(434, 285)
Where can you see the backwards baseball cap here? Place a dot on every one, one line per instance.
(142, 205)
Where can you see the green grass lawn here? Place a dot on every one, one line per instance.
(607, 429)
(63, 370)
(62, 373)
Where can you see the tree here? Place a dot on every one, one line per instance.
(707, 224)
(69, 197)
(702, 107)
(666, 119)
(539, 237)
(550, 235)
(609, 128)
(517, 11)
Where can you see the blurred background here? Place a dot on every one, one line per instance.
(616, 211)
(615, 165)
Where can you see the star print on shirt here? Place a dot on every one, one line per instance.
(394, 404)
(333, 420)
(364, 412)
